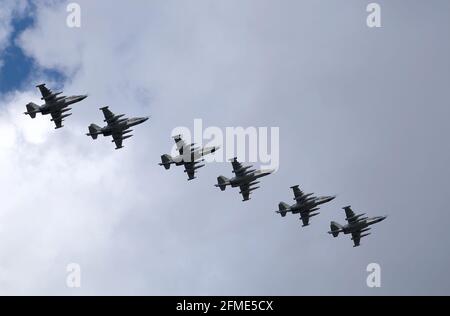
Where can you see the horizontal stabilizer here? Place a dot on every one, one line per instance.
(222, 182)
(336, 228)
(94, 131)
(32, 109)
(166, 161)
(283, 208)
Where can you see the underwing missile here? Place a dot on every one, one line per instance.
(123, 137)
(195, 168)
(249, 172)
(61, 117)
(242, 169)
(115, 118)
(51, 96)
(249, 190)
(355, 217)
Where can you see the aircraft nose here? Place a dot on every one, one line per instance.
(143, 119)
(82, 97)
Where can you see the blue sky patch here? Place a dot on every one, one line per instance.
(17, 67)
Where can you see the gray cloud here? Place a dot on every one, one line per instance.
(362, 113)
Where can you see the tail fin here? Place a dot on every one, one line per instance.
(32, 109)
(166, 161)
(283, 207)
(336, 228)
(94, 131)
(222, 182)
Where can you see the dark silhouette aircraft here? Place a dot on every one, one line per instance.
(117, 126)
(55, 104)
(245, 178)
(357, 225)
(306, 205)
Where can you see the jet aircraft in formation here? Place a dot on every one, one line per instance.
(306, 205)
(117, 126)
(244, 178)
(55, 104)
(190, 157)
(357, 225)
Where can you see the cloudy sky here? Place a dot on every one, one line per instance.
(363, 113)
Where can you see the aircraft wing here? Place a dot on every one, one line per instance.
(109, 116)
(118, 138)
(181, 144)
(305, 220)
(245, 191)
(45, 92)
(356, 237)
(57, 119)
(191, 167)
(247, 188)
(349, 214)
(238, 168)
(298, 194)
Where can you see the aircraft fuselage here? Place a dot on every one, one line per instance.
(122, 125)
(240, 180)
(194, 155)
(360, 225)
(310, 204)
(59, 104)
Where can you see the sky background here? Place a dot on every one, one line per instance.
(363, 113)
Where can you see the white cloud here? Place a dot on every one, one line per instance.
(50, 210)
(9, 9)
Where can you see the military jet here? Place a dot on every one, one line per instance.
(357, 225)
(190, 157)
(55, 104)
(117, 126)
(244, 179)
(306, 205)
